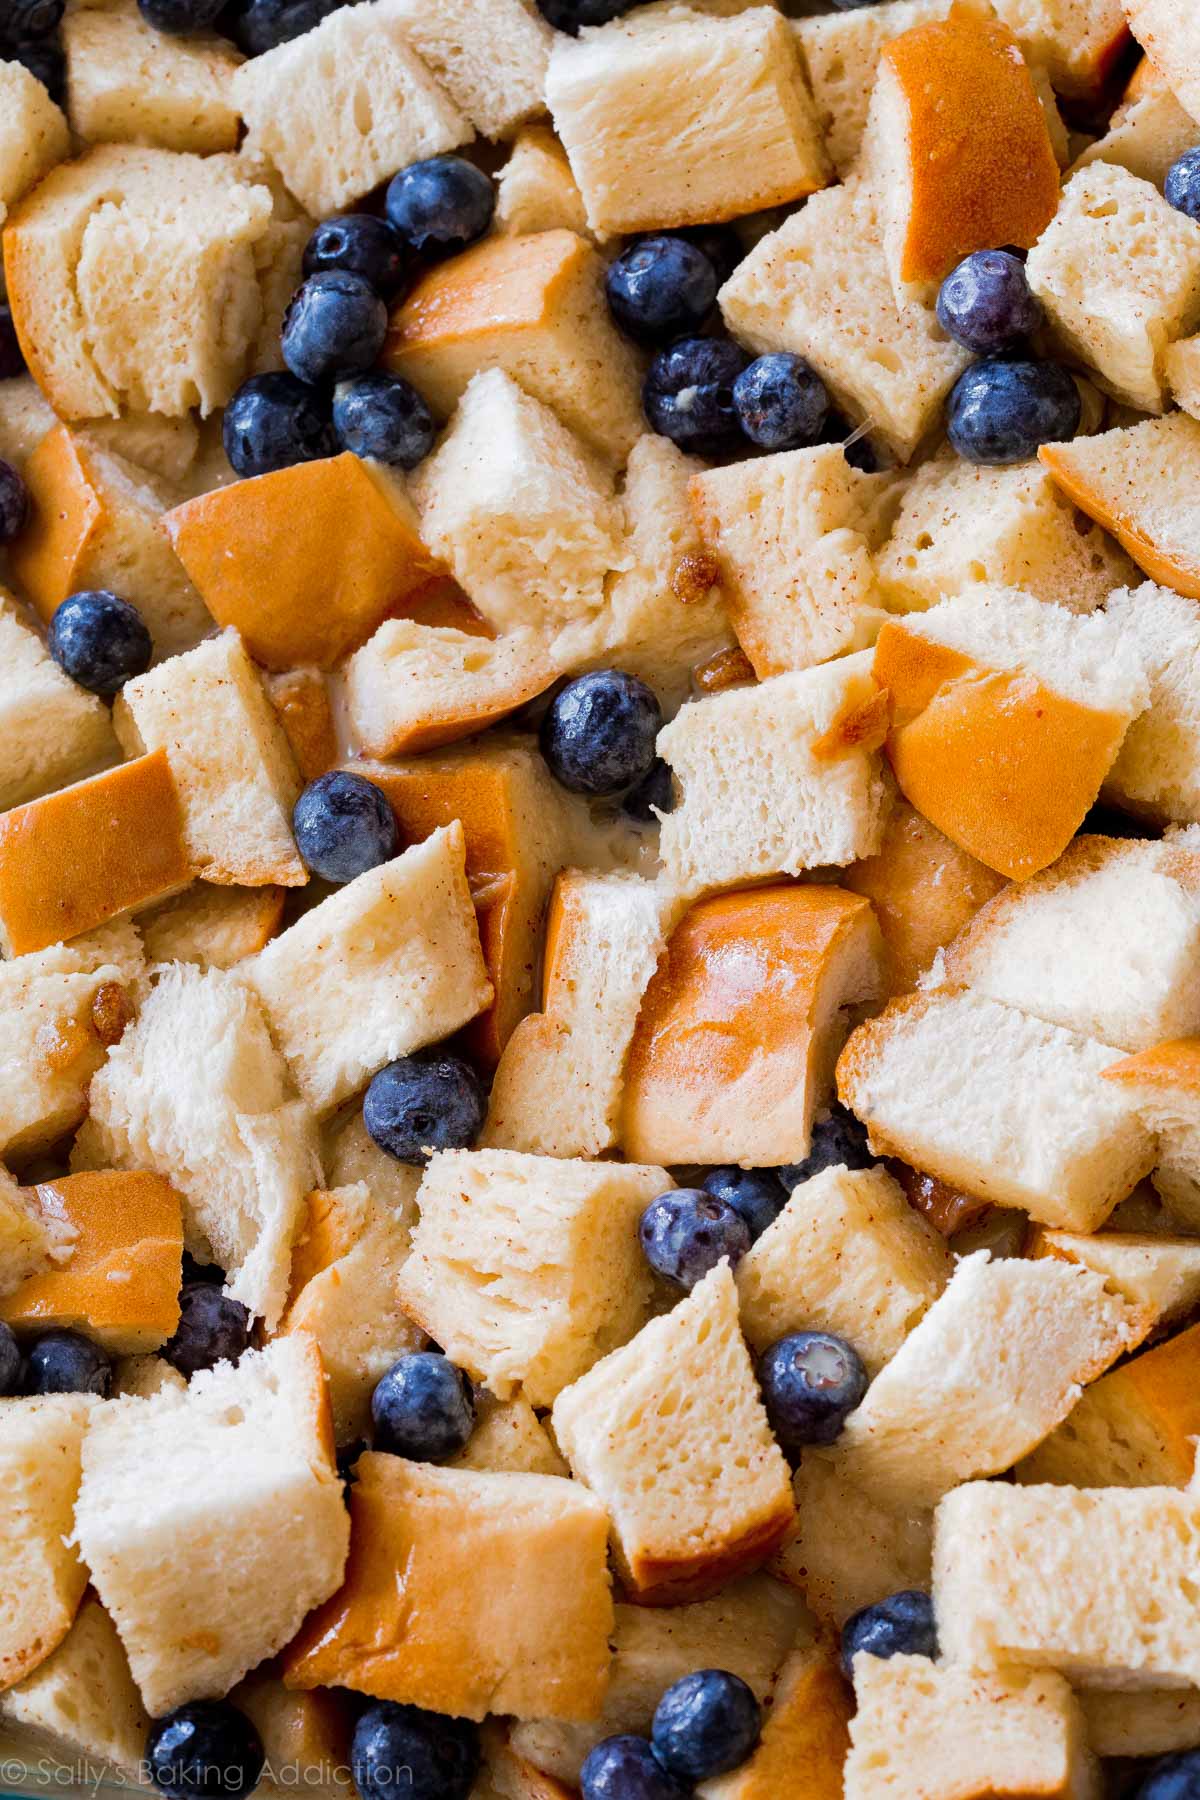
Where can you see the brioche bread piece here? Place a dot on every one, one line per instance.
(165, 448)
(453, 1580)
(302, 704)
(1163, 1084)
(490, 56)
(527, 1269)
(1007, 715)
(804, 1737)
(40, 1442)
(819, 286)
(508, 1437)
(1146, 1723)
(173, 1568)
(51, 729)
(534, 307)
(535, 189)
(33, 133)
(1148, 132)
(81, 1703)
(1157, 1274)
(1157, 771)
(1170, 35)
(417, 687)
(1136, 481)
(774, 779)
(130, 84)
(213, 927)
(196, 1091)
(848, 1550)
(742, 1022)
(505, 1775)
(680, 1398)
(383, 966)
(1181, 361)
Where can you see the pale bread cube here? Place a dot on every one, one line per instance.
(81, 1703)
(1181, 361)
(1148, 132)
(508, 1437)
(416, 687)
(213, 927)
(31, 1241)
(684, 120)
(490, 56)
(130, 84)
(1169, 32)
(1157, 771)
(165, 448)
(1146, 1723)
(681, 1398)
(52, 730)
(840, 52)
(1163, 1084)
(144, 1376)
(192, 1502)
(387, 964)
(848, 1549)
(805, 1730)
(1158, 1275)
(527, 1269)
(40, 1444)
(351, 1156)
(33, 134)
(26, 417)
(535, 189)
(1136, 482)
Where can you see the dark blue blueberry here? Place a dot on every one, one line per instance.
(626, 1768)
(335, 325)
(688, 394)
(571, 15)
(263, 24)
(720, 243)
(423, 1408)
(441, 205)
(781, 402)
(14, 503)
(12, 1364)
(206, 1750)
(180, 16)
(858, 451)
(654, 790)
(685, 1233)
(837, 1137)
(100, 641)
(32, 18)
(273, 421)
(660, 288)
(65, 1362)
(429, 1101)
(344, 826)
(852, 5)
(383, 416)
(986, 304)
(705, 1724)
(361, 244)
(598, 733)
(901, 1625)
(405, 1753)
(212, 1328)
(198, 1271)
(758, 1194)
(1181, 188)
(1172, 1778)
(44, 59)
(12, 360)
(811, 1382)
(1000, 411)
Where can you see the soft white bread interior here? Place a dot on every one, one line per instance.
(52, 730)
(1148, 132)
(1157, 771)
(1163, 1085)
(1158, 1274)
(1144, 1723)
(130, 84)
(489, 55)
(81, 1703)
(213, 927)
(848, 1549)
(26, 417)
(33, 133)
(535, 189)
(508, 1438)
(1169, 33)
(40, 1446)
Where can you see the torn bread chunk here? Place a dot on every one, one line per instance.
(1169, 33)
(33, 133)
(806, 1730)
(213, 927)
(1157, 772)
(847, 1549)
(508, 1437)
(1148, 132)
(490, 57)
(304, 707)
(81, 1703)
(130, 84)
(1163, 1085)
(40, 1446)
(1157, 1273)
(52, 730)
(535, 189)
(1135, 481)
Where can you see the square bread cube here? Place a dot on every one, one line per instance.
(1118, 272)
(1169, 33)
(40, 1444)
(489, 55)
(528, 1269)
(1148, 132)
(684, 120)
(193, 1502)
(51, 729)
(130, 84)
(849, 1550)
(81, 1703)
(213, 927)
(1157, 772)
(804, 1735)
(33, 133)
(468, 1593)
(1163, 1085)
(535, 189)
(681, 1400)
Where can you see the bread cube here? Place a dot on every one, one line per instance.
(81, 1703)
(213, 927)
(301, 700)
(1150, 1722)
(741, 1024)
(1158, 1275)
(769, 781)
(793, 536)
(848, 1549)
(144, 1376)
(490, 58)
(527, 1269)
(51, 729)
(33, 135)
(535, 189)
(40, 1442)
(1136, 482)
(387, 964)
(1148, 132)
(173, 1567)
(949, 1082)
(819, 286)
(1163, 1084)
(453, 1579)
(684, 120)
(1170, 35)
(165, 449)
(130, 84)
(306, 1736)
(418, 687)
(1157, 771)
(508, 1437)
(804, 1735)
(30, 1242)
(840, 54)
(681, 1398)
(352, 1156)
(26, 417)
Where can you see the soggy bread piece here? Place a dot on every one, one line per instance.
(213, 927)
(306, 1735)
(52, 730)
(1157, 772)
(81, 1703)
(848, 1549)
(535, 189)
(302, 703)
(1137, 481)
(40, 1444)
(1169, 33)
(417, 687)
(130, 84)
(1163, 1085)
(1148, 1722)
(508, 1437)
(1148, 132)
(1157, 1274)
(804, 1737)
(489, 55)
(33, 133)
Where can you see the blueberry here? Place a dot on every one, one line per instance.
(688, 394)
(758, 1194)
(901, 1625)
(100, 641)
(811, 1382)
(720, 243)
(571, 15)
(441, 205)
(12, 1364)
(362, 245)
(405, 1753)
(32, 18)
(986, 305)
(685, 1233)
(206, 1750)
(273, 421)
(14, 503)
(44, 59)
(705, 1724)
(263, 24)
(335, 325)
(781, 402)
(999, 411)
(430, 1101)
(660, 288)
(1181, 189)
(837, 1137)
(383, 416)
(851, 5)
(12, 361)
(65, 1362)
(626, 1768)
(212, 1328)
(344, 826)
(655, 789)
(598, 733)
(180, 16)
(1172, 1778)
(423, 1408)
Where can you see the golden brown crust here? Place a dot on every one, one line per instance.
(1171, 1067)
(505, 284)
(66, 515)
(301, 702)
(1069, 470)
(670, 1580)
(805, 1735)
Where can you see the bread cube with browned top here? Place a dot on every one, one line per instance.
(130, 84)
(40, 1446)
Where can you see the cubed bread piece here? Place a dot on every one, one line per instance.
(535, 189)
(303, 706)
(792, 536)
(417, 687)
(1146, 1723)
(741, 1025)
(508, 1437)
(527, 1269)
(489, 55)
(1095, 1583)
(387, 964)
(1148, 132)
(1163, 1084)
(1007, 715)
(848, 1550)
(1157, 1274)
(213, 927)
(341, 108)
(26, 417)
(130, 84)
(1118, 272)
(534, 307)
(164, 448)
(352, 1156)
(81, 1703)
(1137, 482)
(52, 730)
(468, 1593)
(233, 768)
(305, 561)
(1181, 361)
(97, 522)
(935, 1731)
(197, 1091)
(1169, 33)
(33, 133)
(681, 1401)
(774, 779)
(194, 1501)
(1157, 771)
(685, 120)
(819, 286)
(144, 1376)
(40, 1442)
(306, 1735)
(804, 1737)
